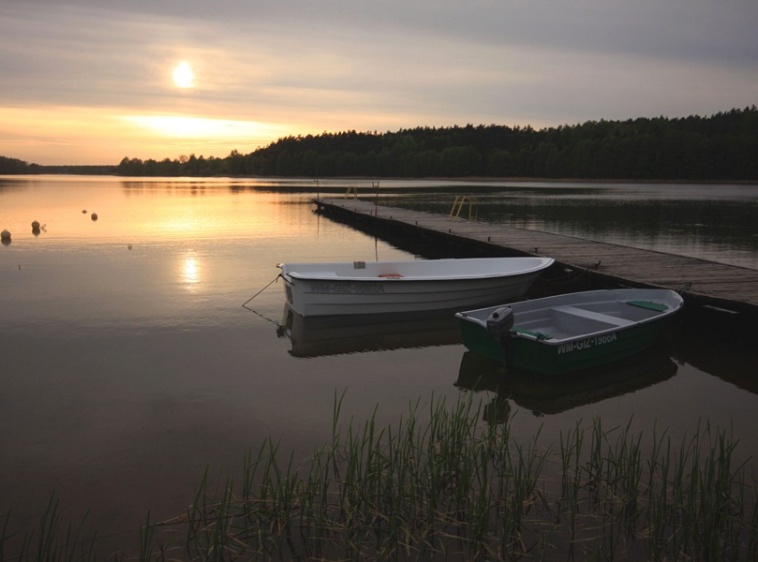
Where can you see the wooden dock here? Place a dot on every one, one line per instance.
(726, 287)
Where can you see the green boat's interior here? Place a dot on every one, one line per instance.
(565, 322)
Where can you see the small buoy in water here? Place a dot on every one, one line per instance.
(84, 211)
(94, 216)
(5, 236)
(35, 228)
(129, 246)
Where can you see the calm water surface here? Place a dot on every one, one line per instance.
(129, 364)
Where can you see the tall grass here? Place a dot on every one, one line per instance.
(455, 488)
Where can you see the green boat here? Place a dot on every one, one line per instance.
(572, 332)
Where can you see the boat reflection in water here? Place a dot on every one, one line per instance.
(334, 335)
(552, 395)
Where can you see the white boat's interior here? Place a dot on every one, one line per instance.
(417, 269)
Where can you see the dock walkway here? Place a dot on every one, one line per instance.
(725, 286)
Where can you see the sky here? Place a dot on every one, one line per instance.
(94, 81)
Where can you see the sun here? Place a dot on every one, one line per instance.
(183, 75)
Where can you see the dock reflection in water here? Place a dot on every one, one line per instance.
(553, 395)
(719, 344)
(335, 335)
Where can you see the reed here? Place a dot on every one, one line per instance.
(442, 484)
(50, 540)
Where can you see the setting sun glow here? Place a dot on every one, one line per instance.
(183, 75)
(181, 126)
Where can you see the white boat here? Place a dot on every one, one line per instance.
(343, 288)
(564, 333)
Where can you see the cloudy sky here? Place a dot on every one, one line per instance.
(92, 81)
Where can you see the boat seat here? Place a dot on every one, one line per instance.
(599, 316)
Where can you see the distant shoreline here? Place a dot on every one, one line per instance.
(479, 179)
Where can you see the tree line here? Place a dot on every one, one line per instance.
(16, 166)
(723, 146)
(720, 147)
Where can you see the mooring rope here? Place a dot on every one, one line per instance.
(244, 305)
(281, 329)
(571, 277)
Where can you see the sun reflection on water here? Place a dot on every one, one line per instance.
(190, 272)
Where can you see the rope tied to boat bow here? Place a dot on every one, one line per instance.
(244, 305)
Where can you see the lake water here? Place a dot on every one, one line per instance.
(129, 364)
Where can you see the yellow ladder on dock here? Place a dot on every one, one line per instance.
(460, 201)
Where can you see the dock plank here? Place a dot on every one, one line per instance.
(707, 281)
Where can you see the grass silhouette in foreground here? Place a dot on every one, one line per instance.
(443, 484)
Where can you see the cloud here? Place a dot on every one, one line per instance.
(307, 67)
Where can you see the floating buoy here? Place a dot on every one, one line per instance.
(5, 236)
(35, 228)
(129, 246)
(84, 211)
(94, 216)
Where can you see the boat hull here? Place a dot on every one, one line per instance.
(414, 289)
(598, 343)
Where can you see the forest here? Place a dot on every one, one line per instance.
(723, 146)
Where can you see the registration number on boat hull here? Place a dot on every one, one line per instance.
(327, 287)
(587, 343)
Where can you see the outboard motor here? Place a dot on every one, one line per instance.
(499, 323)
